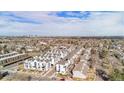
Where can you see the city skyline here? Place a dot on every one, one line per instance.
(64, 23)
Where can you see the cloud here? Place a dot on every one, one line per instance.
(15, 18)
(76, 23)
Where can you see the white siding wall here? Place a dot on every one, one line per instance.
(62, 69)
(57, 67)
(78, 74)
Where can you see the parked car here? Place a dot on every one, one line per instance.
(3, 74)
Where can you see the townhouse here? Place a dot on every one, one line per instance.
(45, 61)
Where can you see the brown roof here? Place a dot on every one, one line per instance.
(81, 67)
(78, 67)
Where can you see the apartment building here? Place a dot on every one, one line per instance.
(10, 58)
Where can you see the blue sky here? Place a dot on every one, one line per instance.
(62, 23)
(75, 14)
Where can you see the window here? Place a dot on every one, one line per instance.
(35, 64)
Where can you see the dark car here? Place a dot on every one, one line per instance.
(62, 79)
(3, 74)
(102, 74)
